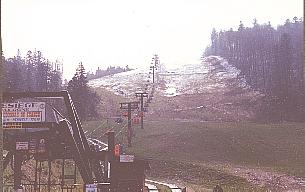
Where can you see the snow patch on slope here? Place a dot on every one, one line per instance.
(211, 75)
(171, 90)
(124, 84)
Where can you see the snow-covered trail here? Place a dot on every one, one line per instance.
(210, 75)
(123, 84)
(151, 187)
(173, 187)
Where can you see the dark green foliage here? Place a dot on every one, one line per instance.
(271, 61)
(84, 99)
(31, 73)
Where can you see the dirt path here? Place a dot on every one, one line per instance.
(271, 180)
(199, 177)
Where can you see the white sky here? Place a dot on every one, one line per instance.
(128, 32)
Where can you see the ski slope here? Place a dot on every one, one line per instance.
(211, 75)
(211, 90)
(124, 84)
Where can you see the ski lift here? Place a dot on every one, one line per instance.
(141, 114)
(136, 120)
(125, 113)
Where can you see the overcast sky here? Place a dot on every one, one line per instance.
(128, 32)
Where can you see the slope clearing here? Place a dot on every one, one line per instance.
(199, 130)
(235, 155)
(212, 90)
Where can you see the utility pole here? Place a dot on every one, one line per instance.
(155, 62)
(1, 91)
(153, 73)
(129, 106)
(142, 95)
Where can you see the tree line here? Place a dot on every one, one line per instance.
(271, 61)
(35, 73)
(109, 71)
(31, 73)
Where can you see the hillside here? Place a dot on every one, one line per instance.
(188, 140)
(210, 91)
(238, 155)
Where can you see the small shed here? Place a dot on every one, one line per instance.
(128, 176)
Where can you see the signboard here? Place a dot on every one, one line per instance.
(91, 188)
(41, 146)
(12, 125)
(126, 158)
(22, 145)
(33, 145)
(23, 112)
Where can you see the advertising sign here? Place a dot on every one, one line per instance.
(33, 145)
(22, 145)
(91, 188)
(12, 125)
(41, 146)
(23, 112)
(126, 158)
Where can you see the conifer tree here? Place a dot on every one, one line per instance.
(31, 73)
(270, 60)
(84, 99)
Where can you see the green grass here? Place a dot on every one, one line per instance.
(277, 146)
(181, 145)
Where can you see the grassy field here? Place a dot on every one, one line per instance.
(203, 153)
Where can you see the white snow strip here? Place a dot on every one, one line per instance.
(165, 184)
(124, 84)
(151, 187)
(209, 76)
(171, 90)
